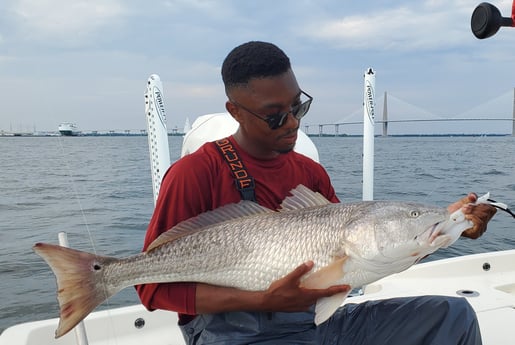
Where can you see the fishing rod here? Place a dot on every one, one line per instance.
(500, 206)
(487, 19)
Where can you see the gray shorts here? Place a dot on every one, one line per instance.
(409, 320)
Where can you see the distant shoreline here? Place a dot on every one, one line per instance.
(412, 135)
(53, 135)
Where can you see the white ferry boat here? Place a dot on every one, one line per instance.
(68, 129)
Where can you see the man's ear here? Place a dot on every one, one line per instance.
(233, 110)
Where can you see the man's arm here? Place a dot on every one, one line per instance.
(283, 295)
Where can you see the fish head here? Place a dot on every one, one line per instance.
(401, 230)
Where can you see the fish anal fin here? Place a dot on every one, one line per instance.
(326, 276)
(198, 223)
(326, 306)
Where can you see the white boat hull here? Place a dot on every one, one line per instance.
(486, 280)
(112, 326)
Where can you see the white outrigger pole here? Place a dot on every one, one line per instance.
(368, 134)
(157, 132)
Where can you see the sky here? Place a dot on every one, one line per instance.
(87, 61)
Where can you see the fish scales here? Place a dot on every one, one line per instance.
(250, 252)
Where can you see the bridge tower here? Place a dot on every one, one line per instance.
(385, 116)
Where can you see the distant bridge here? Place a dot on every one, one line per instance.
(385, 122)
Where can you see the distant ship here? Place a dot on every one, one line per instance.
(68, 129)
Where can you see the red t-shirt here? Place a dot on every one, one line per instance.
(203, 181)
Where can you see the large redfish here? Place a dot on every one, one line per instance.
(248, 246)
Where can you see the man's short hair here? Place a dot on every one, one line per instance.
(253, 60)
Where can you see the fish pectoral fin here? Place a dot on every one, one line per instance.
(326, 306)
(326, 276)
(323, 278)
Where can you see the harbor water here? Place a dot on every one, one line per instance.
(98, 190)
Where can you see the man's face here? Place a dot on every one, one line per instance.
(263, 98)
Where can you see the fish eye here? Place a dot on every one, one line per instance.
(414, 214)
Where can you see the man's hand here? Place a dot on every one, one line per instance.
(287, 295)
(283, 295)
(479, 214)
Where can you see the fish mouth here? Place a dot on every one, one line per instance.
(446, 231)
(435, 231)
(428, 236)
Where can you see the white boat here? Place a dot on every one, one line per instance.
(187, 126)
(68, 129)
(132, 325)
(487, 280)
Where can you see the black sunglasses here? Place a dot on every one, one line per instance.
(275, 121)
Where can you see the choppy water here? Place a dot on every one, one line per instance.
(98, 190)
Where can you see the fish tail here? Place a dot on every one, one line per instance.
(80, 287)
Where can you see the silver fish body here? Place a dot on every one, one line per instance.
(247, 246)
(252, 251)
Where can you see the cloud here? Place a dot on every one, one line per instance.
(428, 25)
(65, 20)
(196, 5)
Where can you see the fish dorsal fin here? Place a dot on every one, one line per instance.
(303, 197)
(195, 224)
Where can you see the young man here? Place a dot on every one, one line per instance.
(265, 99)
